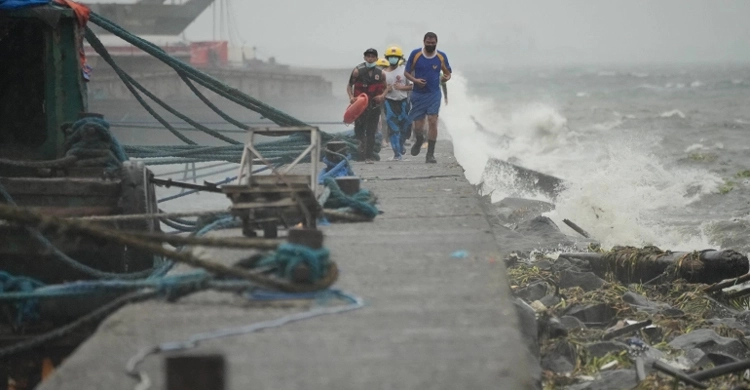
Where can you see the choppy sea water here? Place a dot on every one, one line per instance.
(652, 155)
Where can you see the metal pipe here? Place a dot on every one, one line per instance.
(677, 374)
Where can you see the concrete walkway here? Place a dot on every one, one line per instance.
(432, 321)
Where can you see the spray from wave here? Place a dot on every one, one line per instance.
(616, 188)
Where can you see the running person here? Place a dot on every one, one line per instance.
(383, 126)
(367, 78)
(396, 102)
(423, 69)
(444, 87)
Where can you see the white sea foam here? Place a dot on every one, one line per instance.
(694, 147)
(672, 114)
(618, 188)
(605, 126)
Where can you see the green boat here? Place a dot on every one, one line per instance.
(49, 161)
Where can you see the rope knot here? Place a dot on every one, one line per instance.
(288, 257)
(26, 309)
(362, 203)
(93, 144)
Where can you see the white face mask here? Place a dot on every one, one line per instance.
(393, 60)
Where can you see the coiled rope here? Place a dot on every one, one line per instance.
(361, 203)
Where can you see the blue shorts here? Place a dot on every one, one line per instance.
(423, 104)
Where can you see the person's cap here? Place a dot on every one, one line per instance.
(371, 51)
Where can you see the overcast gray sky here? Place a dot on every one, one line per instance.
(334, 33)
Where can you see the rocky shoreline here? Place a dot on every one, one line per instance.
(588, 330)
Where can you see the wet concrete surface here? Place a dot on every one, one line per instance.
(431, 321)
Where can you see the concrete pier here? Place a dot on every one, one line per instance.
(260, 84)
(431, 320)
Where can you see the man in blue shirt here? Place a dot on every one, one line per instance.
(423, 69)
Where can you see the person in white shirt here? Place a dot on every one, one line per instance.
(396, 102)
(383, 64)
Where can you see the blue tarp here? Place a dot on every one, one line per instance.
(16, 4)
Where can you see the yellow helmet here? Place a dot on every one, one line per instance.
(401, 61)
(383, 62)
(394, 51)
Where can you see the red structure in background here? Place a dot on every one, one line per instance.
(205, 54)
(209, 54)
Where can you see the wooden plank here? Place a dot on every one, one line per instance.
(272, 194)
(259, 205)
(62, 201)
(62, 186)
(271, 197)
(83, 211)
(16, 242)
(21, 254)
(273, 179)
(85, 172)
(263, 190)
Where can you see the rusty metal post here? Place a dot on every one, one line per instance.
(334, 149)
(348, 184)
(196, 372)
(311, 238)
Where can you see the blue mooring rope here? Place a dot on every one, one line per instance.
(91, 138)
(288, 256)
(361, 202)
(25, 310)
(144, 383)
(334, 169)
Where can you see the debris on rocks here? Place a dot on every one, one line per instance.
(640, 318)
(642, 265)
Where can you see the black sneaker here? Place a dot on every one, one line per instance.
(430, 159)
(417, 146)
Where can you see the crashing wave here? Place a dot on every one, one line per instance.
(619, 187)
(672, 114)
